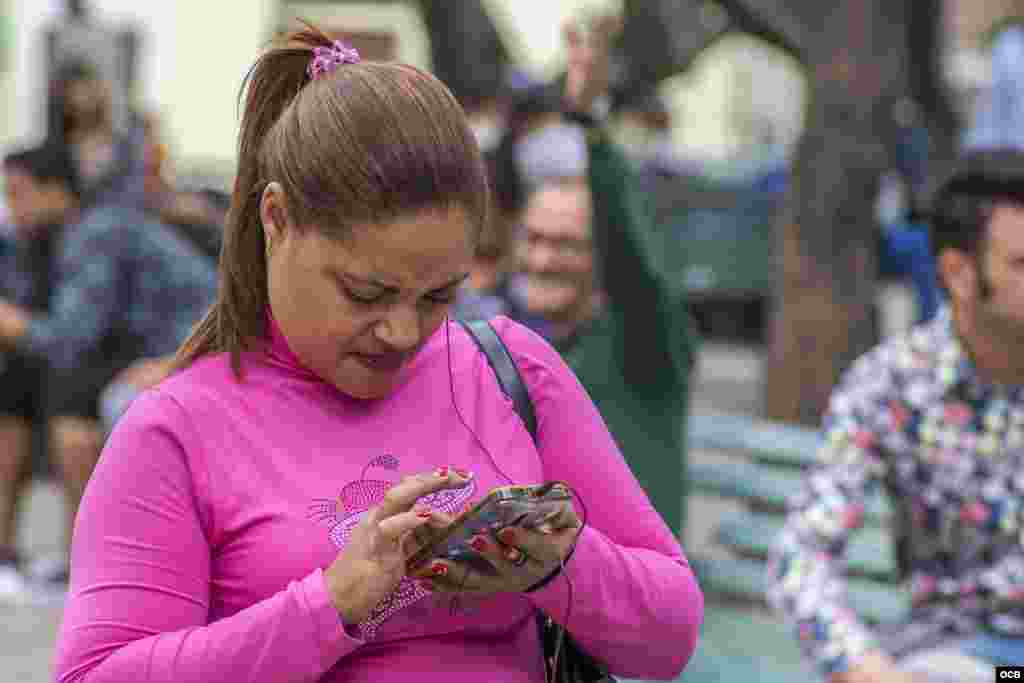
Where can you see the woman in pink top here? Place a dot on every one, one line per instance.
(250, 517)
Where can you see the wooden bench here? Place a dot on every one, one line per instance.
(761, 468)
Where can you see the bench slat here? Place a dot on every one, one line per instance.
(869, 553)
(744, 579)
(767, 487)
(740, 644)
(768, 442)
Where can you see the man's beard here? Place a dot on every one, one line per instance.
(568, 294)
(993, 321)
(1000, 325)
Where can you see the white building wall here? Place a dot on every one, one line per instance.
(192, 59)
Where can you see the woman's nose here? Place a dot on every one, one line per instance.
(400, 329)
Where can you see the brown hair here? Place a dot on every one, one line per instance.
(368, 143)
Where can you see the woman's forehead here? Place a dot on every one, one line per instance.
(407, 253)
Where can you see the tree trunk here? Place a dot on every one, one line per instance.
(823, 315)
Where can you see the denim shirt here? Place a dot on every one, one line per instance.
(119, 270)
(17, 283)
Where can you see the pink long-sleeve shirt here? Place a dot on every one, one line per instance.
(201, 541)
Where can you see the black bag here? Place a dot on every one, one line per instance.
(570, 663)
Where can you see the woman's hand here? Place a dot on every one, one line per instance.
(13, 322)
(373, 561)
(521, 558)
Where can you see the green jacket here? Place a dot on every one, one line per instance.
(635, 359)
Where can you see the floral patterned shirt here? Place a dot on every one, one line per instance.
(912, 415)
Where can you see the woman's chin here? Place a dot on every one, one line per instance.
(353, 379)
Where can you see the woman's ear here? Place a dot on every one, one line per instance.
(273, 214)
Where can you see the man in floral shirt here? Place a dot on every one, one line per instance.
(937, 419)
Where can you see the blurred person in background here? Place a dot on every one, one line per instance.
(937, 417)
(123, 287)
(198, 217)
(485, 294)
(904, 246)
(197, 214)
(498, 130)
(496, 286)
(998, 117)
(487, 117)
(593, 284)
(35, 182)
(109, 161)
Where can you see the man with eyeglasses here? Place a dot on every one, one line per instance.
(590, 282)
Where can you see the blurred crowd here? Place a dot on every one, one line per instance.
(104, 268)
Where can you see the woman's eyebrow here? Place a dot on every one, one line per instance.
(391, 289)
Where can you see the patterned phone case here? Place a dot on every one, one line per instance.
(523, 506)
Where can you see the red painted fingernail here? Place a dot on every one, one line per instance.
(439, 570)
(424, 514)
(479, 544)
(441, 471)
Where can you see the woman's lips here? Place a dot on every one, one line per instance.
(388, 362)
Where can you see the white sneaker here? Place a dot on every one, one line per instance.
(14, 588)
(48, 579)
(44, 567)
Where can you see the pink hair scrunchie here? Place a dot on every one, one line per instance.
(327, 59)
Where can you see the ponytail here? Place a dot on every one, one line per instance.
(237, 318)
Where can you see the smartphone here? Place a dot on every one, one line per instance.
(523, 506)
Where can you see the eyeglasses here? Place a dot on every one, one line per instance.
(563, 246)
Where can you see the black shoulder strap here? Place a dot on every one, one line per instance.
(505, 368)
(575, 664)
